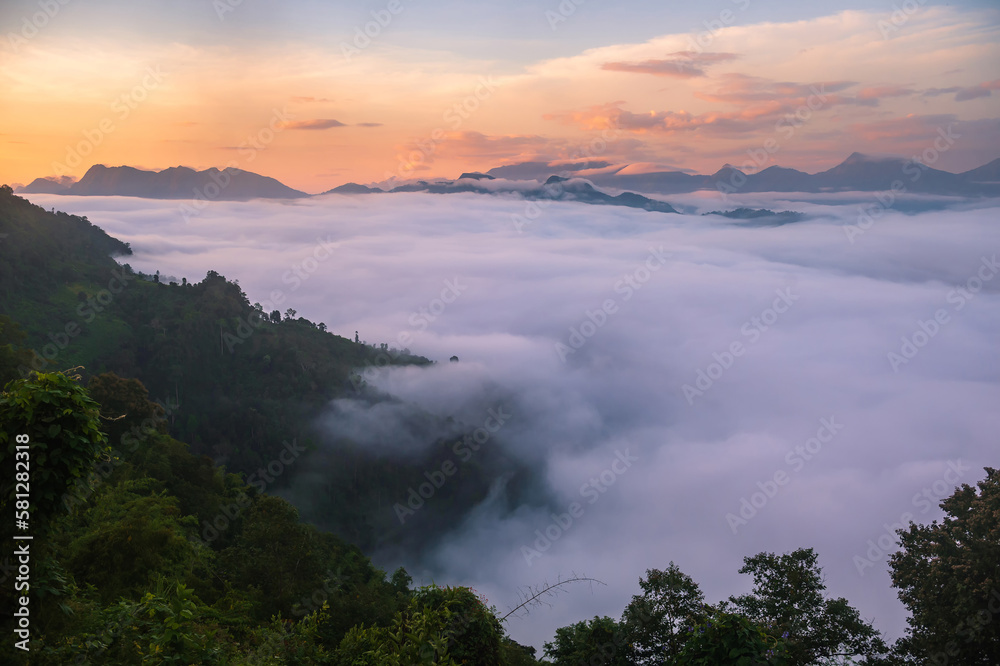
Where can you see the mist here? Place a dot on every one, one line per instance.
(684, 388)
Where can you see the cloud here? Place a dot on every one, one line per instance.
(975, 92)
(621, 389)
(610, 116)
(761, 103)
(882, 92)
(964, 94)
(479, 148)
(369, 124)
(315, 124)
(743, 88)
(308, 100)
(682, 64)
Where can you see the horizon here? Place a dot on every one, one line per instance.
(67, 181)
(445, 88)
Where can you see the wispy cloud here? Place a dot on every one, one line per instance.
(965, 93)
(315, 124)
(682, 64)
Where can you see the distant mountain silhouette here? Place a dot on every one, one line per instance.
(988, 173)
(760, 216)
(44, 186)
(556, 188)
(862, 172)
(778, 179)
(858, 172)
(353, 188)
(230, 184)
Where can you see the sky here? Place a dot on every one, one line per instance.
(702, 390)
(317, 94)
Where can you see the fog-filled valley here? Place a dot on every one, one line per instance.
(694, 388)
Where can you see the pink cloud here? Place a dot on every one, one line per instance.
(315, 124)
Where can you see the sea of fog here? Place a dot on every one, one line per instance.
(690, 388)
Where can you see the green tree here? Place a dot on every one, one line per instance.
(13, 356)
(441, 627)
(129, 415)
(655, 623)
(129, 537)
(788, 595)
(61, 425)
(948, 576)
(597, 642)
(727, 638)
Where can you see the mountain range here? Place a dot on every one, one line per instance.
(180, 182)
(550, 181)
(858, 172)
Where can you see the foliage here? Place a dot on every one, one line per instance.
(128, 576)
(442, 626)
(599, 641)
(948, 575)
(63, 429)
(12, 354)
(655, 622)
(233, 383)
(788, 594)
(728, 638)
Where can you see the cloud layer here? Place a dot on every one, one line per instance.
(662, 372)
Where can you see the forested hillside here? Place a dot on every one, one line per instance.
(237, 383)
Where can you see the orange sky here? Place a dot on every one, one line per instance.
(803, 94)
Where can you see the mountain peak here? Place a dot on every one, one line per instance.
(868, 158)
